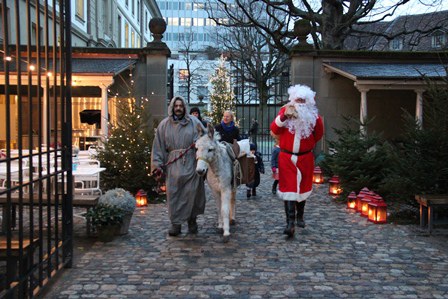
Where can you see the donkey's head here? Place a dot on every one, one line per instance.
(206, 147)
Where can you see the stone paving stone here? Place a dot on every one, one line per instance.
(338, 255)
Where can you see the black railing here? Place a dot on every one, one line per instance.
(35, 143)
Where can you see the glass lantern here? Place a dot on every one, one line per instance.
(351, 200)
(141, 198)
(334, 187)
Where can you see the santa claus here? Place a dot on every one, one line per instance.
(298, 127)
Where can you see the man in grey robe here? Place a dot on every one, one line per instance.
(173, 141)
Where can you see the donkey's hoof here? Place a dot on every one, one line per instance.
(220, 230)
(232, 222)
(225, 239)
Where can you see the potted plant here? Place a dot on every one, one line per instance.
(106, 220)
(123, 200)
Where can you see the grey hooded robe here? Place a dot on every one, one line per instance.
(184, 187)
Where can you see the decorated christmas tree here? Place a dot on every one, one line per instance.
(127, 151)
(221, 97)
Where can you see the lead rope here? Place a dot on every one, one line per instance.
(163, 166)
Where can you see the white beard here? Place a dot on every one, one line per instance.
(305, 122)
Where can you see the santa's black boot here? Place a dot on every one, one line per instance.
(300, 208)
(290, 229)
(286, 213)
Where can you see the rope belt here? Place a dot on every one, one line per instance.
(296, 154)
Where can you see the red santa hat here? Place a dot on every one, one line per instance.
(301, 92)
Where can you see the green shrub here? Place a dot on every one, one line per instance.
(359, 160)
(104, 215)
(420, 160)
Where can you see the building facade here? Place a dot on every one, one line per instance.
(419, 32)
(191, 37)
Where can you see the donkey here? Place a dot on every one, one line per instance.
(214, 161)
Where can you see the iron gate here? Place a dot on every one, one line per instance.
(35, 142)
(248, 110)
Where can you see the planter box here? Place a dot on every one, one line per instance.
(124, 228)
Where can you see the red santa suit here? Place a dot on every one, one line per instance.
(296, 159)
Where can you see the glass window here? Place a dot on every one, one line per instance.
(396, 44)
(146, 21)
(183, 74)
(80, 9)
(173, 21)
(126, 34)
(210, 22)
(132, 38)
(138, 11)
(185, 22)
(438, 40)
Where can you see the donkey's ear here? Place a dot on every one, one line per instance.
(200, 129)
(211, 130)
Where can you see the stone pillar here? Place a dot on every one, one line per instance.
(104, 112)
(419, 106)
(153, 70)
(363, 109)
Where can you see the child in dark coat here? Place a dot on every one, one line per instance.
(259, 168)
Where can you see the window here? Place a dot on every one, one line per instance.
(34, 32)
(183, 91)
(198, 6)
(146, 21)
(105, 17)
(173, 21)
(198, 22)
(138, 11)
(203, 90)
(126, 34)
(396, 44)
(132, 38)
(185, 22)
(210, 22)
(438, 39)
(183, 74)
(120, 38)
(80, 9)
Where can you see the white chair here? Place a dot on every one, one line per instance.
(88, 184)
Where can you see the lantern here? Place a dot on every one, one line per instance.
(364, 191)
(141, 198)
(365, 205)
(317, 176)
(378, 211)
(334, 187)
(351, 200)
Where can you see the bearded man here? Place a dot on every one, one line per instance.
(173, 153)
(298, 127)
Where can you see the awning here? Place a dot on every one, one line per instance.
(387, 75)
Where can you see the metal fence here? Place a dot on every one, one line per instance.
(35, 141)
(248, 110)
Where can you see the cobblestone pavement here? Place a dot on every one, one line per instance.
(338, 255)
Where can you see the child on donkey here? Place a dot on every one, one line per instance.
(259, 168)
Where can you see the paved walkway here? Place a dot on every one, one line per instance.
(338, 255)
